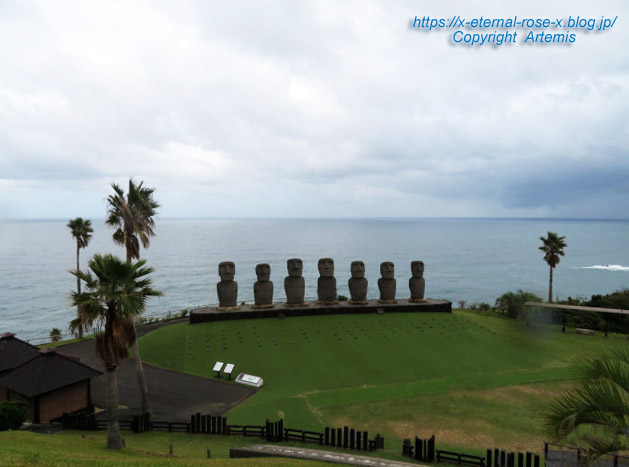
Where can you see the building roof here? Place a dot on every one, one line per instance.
(14, 352)
(45, 372)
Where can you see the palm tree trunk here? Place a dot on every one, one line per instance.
(113, 427)
(78, 288)
(137, 358)
(139, 373)
(550, 286)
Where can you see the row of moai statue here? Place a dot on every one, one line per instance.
(295, 285)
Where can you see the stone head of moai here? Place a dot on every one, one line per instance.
(357, 269)
(263, 271)
(226, 271)
(295, 266)
(417, 269)
(387, 270)
(326, 267)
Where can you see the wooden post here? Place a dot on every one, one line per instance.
(208, 454)
(489, 458)
(358, 440)
(170, 449)
(339, 437)
(327, 436)
(365, 441)
(352, 438)
(529, 458)
(563, 321)
(345, 437)
(332, 437)
(520, 459)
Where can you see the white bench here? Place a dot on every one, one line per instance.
(217, 367)
(229, 368)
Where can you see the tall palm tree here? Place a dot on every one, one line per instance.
(596, 411)
(81, 230)
(116, 293)
(552, 246)
(132, 217)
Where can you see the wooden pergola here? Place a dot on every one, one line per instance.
(579, 308)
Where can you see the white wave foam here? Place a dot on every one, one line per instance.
(607, 267)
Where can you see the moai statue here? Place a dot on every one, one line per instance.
(263, 287)
(227, 288)
(387, 283)
(417, 283)
(326, 285)
(294, 283)
(357, 284)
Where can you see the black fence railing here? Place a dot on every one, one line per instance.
(346, 437)
(425, 450)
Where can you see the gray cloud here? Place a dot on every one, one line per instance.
(306, 109)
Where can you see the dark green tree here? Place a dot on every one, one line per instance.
(116, 294)
(596, 411)
(81, 230)
(132, 217)
(552, 246)
(512, 304)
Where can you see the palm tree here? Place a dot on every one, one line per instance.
(552, 246)
(116, 293)
(81, 230)
(132, 216)
(597, 410)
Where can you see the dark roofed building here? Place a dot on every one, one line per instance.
(50, 383)
(14, 352)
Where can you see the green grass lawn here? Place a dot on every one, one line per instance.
(71, 448)
(468, 378)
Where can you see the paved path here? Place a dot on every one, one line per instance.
(174, 396)
(269, 450)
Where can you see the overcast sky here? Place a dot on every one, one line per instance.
(309, 109)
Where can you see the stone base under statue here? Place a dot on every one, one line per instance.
(358, 302)
(321, 302)
(417, 300)
(384, 302)
(296, 305)
(227, 308)
(263, 307)
(207, 314)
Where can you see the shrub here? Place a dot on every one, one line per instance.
(512, 304)
(342, 298)
(12, 415)
(55, 335)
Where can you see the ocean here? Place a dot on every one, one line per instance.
(475, 260)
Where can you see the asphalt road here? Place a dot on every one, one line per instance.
(174, 396)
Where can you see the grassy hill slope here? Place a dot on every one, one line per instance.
(323, 370)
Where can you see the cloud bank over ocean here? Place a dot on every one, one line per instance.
(308, 109)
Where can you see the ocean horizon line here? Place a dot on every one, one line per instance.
(357, 218)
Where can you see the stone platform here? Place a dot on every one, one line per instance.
(204, 315)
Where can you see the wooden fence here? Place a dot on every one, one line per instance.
(346, 437)
(425, 450)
